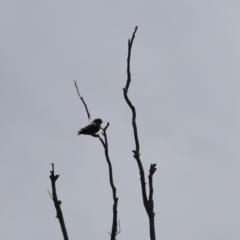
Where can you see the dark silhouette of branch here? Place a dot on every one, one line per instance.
(148, 203)
(114, 190)
(104, 142)
(130, 42)
(118, 231)
(85, 105)
(57, 203)
(152, 170)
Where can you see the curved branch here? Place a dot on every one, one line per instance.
(57, 203)
(104, 142)
(137, 150)
(148, 203)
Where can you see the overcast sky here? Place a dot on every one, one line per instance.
(185, 86)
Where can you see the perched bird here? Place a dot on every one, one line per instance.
(91, 128)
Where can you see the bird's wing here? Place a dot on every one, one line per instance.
(88, 126)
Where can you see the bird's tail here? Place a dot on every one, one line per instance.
(79, 132)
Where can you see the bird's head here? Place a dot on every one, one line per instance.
(97, 121)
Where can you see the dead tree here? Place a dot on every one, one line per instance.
(147, 201)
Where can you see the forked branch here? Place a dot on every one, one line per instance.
(147, 202)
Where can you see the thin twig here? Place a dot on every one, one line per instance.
(118, 231)
(50, 194)
(57, 203)
(85, 105)
(148, 203)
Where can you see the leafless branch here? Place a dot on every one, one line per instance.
(118, 231)
(130, 42)
(85, 105)
(148, 203)
(114, 190)
(152, 170)
(104, 142)
(57, 203)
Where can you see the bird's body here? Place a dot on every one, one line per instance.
(91, 128)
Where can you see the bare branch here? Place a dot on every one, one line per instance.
(85, 105)
(103, 143)
(148, 203)
(125, 91)
(130, 42)
(114, 190)
(57, 203)
(152, 170)
(137, 150)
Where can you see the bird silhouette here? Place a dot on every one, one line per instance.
(91, 128)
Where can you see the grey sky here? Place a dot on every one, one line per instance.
(185, 86)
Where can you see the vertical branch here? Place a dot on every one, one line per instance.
(148, 203)
(114, 190)
(152, 170)
(130, 42)
(151, 213)
(57, 203)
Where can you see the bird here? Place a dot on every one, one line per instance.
(91, 128)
